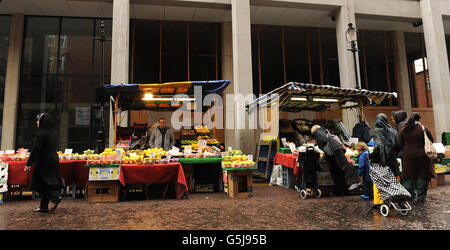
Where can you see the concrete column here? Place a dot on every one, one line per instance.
(11, 94)
(438, 66)
(242, 70)
(346, 15)
(227, 74)
(120, 53)
(401, 67)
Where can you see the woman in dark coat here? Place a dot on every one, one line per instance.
(345, 177)
(417, 167)
(385, 151)
(46, 179)
(386, 144)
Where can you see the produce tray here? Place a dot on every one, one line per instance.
(102, 165)
(239, 169)
(199, 160)
(284, 150)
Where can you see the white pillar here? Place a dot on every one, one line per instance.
(11, 94)
(438, 66)
(120, 53)
(346, 15)
(401, 67)
(242, 69)
(227, 74)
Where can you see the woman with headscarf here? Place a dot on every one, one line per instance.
(400, 118)
(386, 144)
(345, 177)
(46, 179)
(385, 150)
(417, 169)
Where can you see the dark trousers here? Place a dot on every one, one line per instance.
(337, 174)
(368, 188)
(47, 194)
(420, 184)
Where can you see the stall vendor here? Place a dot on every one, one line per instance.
(162, 136)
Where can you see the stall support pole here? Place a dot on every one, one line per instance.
(115, 120)
(361, 112)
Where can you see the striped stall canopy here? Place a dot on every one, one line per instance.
(295, 97)
(130, 95)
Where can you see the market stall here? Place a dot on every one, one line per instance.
(201, 152)
(297, 97)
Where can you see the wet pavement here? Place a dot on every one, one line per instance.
(272, 207)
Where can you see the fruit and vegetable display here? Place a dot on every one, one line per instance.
(10, 155)
(237, 160)
(192, 136)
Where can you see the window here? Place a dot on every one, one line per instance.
(59, 73)
(283, 54)
(297, 66)
(4, 46)
(418, 70)
(163, 51)
(376, 63)
(271, 58)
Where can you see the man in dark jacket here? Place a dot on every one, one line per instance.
(46, 179)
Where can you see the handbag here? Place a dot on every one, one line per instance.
(430, 151)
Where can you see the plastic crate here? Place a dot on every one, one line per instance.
(288, 177)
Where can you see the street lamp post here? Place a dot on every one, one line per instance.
(101, 133)
(351, 36)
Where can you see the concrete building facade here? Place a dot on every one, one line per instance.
(400, 42)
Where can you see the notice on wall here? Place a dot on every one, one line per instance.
(82, 116)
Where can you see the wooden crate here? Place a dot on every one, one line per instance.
(103, 191)
(238, 184)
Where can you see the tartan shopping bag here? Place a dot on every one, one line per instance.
(387, 184)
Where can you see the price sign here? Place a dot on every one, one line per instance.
(250, 157)
(133, 154)
(68, 151)
(202, 143)
(152, 155)
(10, 152)
(283, 141)
(292, 147)
(188, 149)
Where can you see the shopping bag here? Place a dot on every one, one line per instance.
(276, 178)
(386, 183)
(430, 150)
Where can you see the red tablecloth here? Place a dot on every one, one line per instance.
(69, 170)
(154, 174)
(287, 160)
(80, 172)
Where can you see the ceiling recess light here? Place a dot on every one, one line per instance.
(149, 97)
(304, 99)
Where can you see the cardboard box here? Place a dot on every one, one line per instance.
(440, 168)
(433, 183)
(440, 180)
(325, 179)
(103, 191)
(104, 173)
(447, 151)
